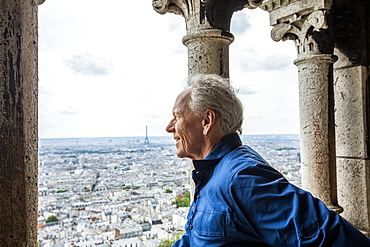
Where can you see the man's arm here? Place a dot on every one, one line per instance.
(285, 215)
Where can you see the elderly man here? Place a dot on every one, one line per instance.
(239, 199)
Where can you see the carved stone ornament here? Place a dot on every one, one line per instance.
(301, 31)
(41, 1)
(184, 7)
(200, 14)
(178, 7)
(252, 4)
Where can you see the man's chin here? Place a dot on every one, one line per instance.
(180, 153)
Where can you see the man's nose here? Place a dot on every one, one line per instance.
(170, 127)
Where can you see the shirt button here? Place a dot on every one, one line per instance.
(190, 227)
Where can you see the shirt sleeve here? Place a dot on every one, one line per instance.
(285, 215)
(183, 242)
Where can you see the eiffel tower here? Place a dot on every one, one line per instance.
(146, 136)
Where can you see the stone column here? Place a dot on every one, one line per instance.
(208, 52)
(307, 26)
(18, 123)
(316, 104)
(207, 31)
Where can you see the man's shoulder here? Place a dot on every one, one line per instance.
(245, 161)
(245, 154)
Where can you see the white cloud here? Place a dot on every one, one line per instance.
(88, 64)
(68, 110)
(240, 23)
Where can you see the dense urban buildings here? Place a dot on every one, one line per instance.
(127, 192)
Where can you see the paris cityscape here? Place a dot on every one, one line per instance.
(127, 191)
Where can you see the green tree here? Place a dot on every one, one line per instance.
(168, 191)
(61, 191)
(184, 202)
(169, 243)
(51, 218)
(187, 195)
(166, 243)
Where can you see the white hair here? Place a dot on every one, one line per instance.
(215, 92)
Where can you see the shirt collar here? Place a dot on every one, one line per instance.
(228, 143)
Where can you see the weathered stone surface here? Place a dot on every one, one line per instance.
(308, 32)
(350, 114)
(208, 52)
(353, 191)
(317, 151)
(18, 123)
(288, 11)
(350, 32)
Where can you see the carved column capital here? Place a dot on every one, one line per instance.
(179, 7)
(305, 22)
(309, 33)
(299, 26)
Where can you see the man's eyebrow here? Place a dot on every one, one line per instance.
(180, 113)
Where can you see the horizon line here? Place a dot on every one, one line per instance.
(169, 136)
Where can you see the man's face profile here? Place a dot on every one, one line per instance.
(186, 128)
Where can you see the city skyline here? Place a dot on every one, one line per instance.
(118, 191)
(106, 71)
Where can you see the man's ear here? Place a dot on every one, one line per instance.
(209, 119)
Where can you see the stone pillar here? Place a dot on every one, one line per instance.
(207, 31)
(18, 123)
(306, 24)
(316, 104)
(208, 52)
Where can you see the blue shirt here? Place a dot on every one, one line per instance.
(240, 200)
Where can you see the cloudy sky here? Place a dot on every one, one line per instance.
(108, 69)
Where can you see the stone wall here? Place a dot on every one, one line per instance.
(352, 108)
(18, 123)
